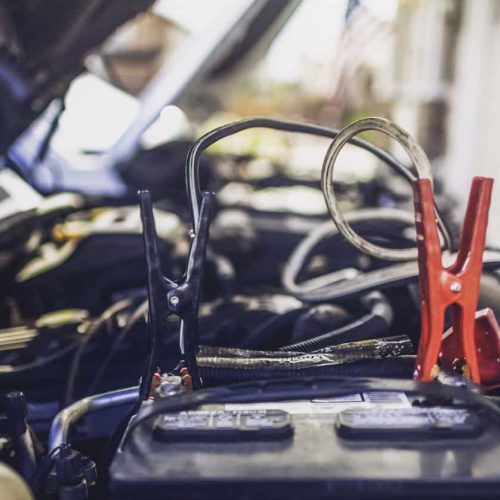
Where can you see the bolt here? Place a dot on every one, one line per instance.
(456, 287)
(174, 300)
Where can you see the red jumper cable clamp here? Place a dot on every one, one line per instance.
(472, 346)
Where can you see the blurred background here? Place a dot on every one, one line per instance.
(428, 65)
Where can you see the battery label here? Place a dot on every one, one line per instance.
(217, 425)
(409, 423)
(331, 405)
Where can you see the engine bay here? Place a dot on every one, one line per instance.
(226, 330)
(299, 382)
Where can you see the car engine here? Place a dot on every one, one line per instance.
(213, 334)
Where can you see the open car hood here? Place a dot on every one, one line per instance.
(42, 47)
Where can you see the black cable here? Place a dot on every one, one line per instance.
(42, 471)
(396, 367)
(215, 135)
(301, 254)
(113, 441)
(133, 320)
(258, 338)
(367, 326)
(77, 358)
(196, 150)
(372, 325)
(6, 370)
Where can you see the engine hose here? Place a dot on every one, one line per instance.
(375, 324)
(398, 367)
(368, 325)
(392, 276)
(66, 418)
(305, 248)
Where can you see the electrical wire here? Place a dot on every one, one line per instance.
(139, 313)
(421, 165)
(90, 334)
(210, 138)
(397, 274)
(38, 363)
(43, 470)
(414, 151)
(397, 367)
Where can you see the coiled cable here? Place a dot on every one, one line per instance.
(421, 165)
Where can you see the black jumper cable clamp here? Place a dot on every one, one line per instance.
(181, 297)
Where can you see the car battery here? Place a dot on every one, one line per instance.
(365, 445)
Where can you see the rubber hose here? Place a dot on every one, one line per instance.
(375, 324)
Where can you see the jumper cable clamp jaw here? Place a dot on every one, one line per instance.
(471, 347)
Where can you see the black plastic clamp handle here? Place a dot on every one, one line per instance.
(181, 297)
